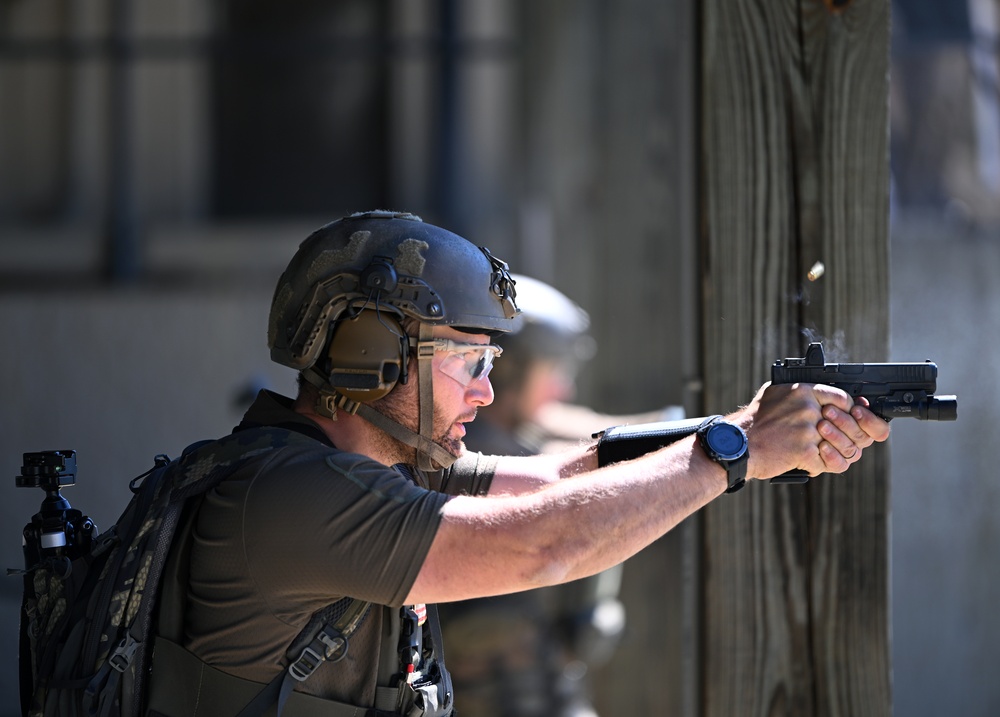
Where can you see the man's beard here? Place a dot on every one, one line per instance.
(401, 407)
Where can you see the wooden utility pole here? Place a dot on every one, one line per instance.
(794, 118)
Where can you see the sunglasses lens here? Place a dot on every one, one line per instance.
(481, 367)
(468, 364)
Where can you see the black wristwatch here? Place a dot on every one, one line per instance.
(726, 444)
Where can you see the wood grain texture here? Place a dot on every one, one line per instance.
(609, 109)
(795, 171)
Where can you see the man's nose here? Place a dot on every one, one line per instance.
(480, 393)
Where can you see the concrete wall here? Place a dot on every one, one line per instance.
(119, 377)
(945, 306)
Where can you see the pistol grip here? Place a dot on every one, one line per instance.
(795, 476)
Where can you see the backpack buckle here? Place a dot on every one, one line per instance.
(329, 645)
(121, 658)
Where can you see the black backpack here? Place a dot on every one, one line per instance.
(89, 609)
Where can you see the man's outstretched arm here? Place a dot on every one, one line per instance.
(536, 528)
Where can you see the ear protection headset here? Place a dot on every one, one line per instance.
(368, 351)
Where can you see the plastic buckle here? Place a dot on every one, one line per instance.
(307, 663)
(425, 349)
(336, 645)
(326, 646)
(121, 658)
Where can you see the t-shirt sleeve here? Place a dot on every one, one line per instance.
(471, 474)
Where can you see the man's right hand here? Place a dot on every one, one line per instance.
(811, 427)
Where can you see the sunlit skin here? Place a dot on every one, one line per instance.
(454, 405)
(556, 518)
(551, 519)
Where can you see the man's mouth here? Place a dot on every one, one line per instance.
(461, 421)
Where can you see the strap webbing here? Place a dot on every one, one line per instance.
(425, 447)
(199, 690)
(426, 401)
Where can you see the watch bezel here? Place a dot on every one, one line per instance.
(715, 428)
(736, 463)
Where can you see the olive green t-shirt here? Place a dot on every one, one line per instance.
(297, 530)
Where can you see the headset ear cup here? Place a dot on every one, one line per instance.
(366, 355)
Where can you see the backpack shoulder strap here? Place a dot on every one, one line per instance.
(323, 639)
(162, 499)
(328, 643)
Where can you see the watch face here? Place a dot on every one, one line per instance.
(727, 440)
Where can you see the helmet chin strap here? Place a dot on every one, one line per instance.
(430, 455)
(425, 403)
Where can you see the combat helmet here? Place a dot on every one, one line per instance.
(338, 311)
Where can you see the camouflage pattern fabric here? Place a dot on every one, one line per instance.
(87, 622)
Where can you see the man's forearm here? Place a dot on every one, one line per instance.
(567, 529)
(516, 475)
(556, 530)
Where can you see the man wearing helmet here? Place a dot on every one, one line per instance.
(390, 322)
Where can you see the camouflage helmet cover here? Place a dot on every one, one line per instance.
(391, 262)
